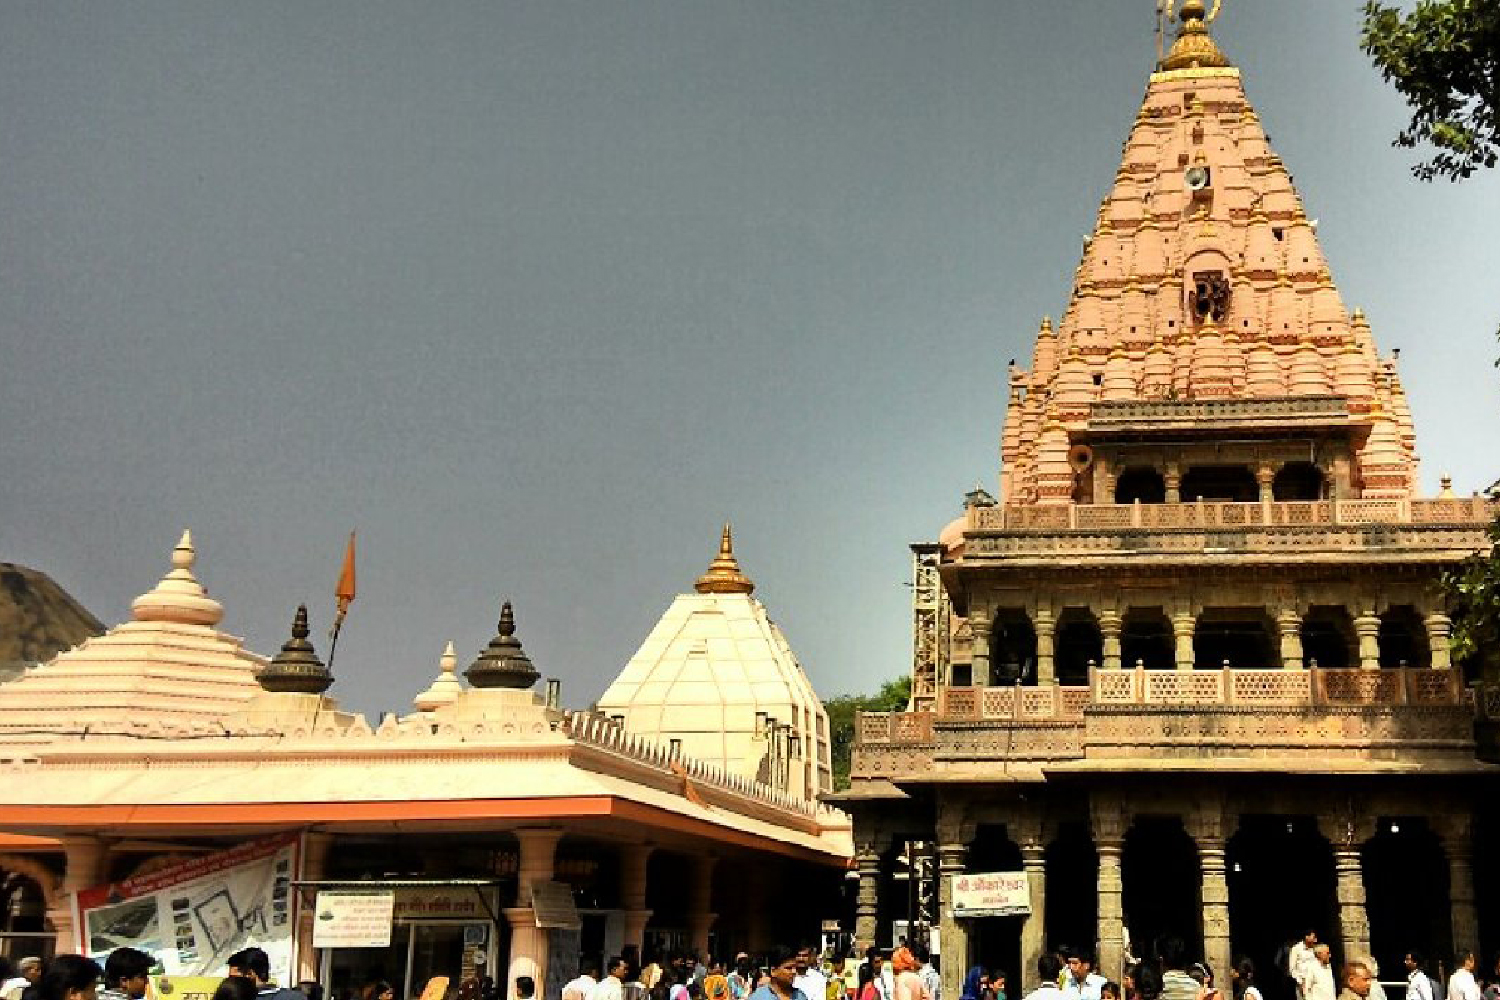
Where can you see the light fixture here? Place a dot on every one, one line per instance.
(1395, 827)
(1237, 867)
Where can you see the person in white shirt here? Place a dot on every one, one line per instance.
(1461, 985)
(810, 979)
(612, 986)
(1048, 968)
(1300, 957)
(28, 971)
(1418, 986)
(1317, 977)
(582, 988)
(931, 981)
(1082, 982)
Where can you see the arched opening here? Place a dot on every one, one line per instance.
(23, 917)
(1281, 882)
(1403, 638)
(1235, 637)
(1406, 894)
(1146, 640)
(1073, 875)
(1299, 481)
(899, 886)
(995, 942)
(1140, 483)
(1012, 648)
(1078, 644)
(1220, 482)
(1159, 868)
(1328, 637)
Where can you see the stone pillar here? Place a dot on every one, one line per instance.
(528, 942)
(1439, 632)
(1045, 626)
(1034, 930)
(955, 932)
(633, 858)
(1347, 830)
(85, 869)
(1183, 627)
(979, 658)
(1109, 821)
(315, 848)
(1289, 624)
(867, 904)
(1215, 902)
(1367, 627)
(1455, 831)
(700, 903)
(1172, 479)
(1264, 477)
(1110, 625)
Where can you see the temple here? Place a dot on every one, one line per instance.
(1188, 669)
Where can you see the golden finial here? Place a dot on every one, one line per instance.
(724, 576)
(1194, 47)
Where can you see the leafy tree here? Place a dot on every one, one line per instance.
(1473, 589)
(893, 696)
(1444, 58)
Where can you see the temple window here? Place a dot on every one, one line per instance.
(1078, 644)
(1328, 637)
(1234, 483)
(1403, 638)
(1012, 648)
(1146, 640)
(1299, 481)
(1140, 483)
(1239, 637)
(1210, 296)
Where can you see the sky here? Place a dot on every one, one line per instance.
(537, 295)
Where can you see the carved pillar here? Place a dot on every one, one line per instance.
(1045, 626)
(1109, 823)
(85, 869)
(1172, 479)
(1215, 902)
(867, 904)
(1347, 830)
(633, 858)
(700, 902)
(979, 671)
(315, 848)
(1183, 627)
(1289, 624)
(1455, 831)
(528, 942)
(1264, 477)
(955, 932)
(1110, 624)
(1034, 930)
(1439, 632)
(1367, 628)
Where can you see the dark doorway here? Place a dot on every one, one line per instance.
(1162, 889)
(1298, 481)
(1146, 640)
(1238, 637)
(1078, 645)
(1327, 638)
(1220, 482)
(1140, 483)
(995, 942)
(1281, 882)
(1073, 875)
(1012, 649)
(1406, 895)
(1403, 639)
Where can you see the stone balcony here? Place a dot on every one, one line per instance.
(1424, 529)
(1314, 720)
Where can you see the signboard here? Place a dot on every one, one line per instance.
(194, 914)
(997, 894)
(353, 919)
(458, 902)
(552, 903)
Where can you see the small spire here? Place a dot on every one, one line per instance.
(1446, 492)
(445, 688)
(296, 668)
(179, 597)
(503, 663)
(1194, 46)
(724, 575)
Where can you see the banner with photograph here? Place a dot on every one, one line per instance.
(194, 914)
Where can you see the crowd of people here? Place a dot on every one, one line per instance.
(126, 975)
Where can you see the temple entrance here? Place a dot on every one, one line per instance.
(1146, 640)
(1235, 637)
(1073, 876)
(1012, 649)
(1406, 894)
(1281, 882)
(1327, 637)
(1403, 639)
(1162, 889)
(1220, 482)
(995, 942)
(1078, 645)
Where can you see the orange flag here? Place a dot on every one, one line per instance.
(345, 590)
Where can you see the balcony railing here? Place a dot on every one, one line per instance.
(1222, 514)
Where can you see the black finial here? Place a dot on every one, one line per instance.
(296, 668)
(503, 663)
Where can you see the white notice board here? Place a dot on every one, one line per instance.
(353, 919)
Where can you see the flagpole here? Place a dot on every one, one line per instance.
(344, 595)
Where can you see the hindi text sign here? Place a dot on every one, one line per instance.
(353, 919)
(995, 894)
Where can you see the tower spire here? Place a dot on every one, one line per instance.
(724, 575)
(1194, 46)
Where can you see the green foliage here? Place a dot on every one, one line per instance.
(893, 696)
(1444, 58)
(1473, 589)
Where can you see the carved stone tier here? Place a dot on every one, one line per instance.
(1214, 416)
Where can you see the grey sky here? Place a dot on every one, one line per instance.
(537, 294)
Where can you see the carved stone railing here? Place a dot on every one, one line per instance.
(1174, 413)
(1219, 514)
